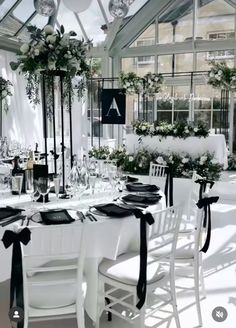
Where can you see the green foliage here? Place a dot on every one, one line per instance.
(222, 77)
(50, 50)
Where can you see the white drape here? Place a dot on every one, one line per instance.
(22, 122)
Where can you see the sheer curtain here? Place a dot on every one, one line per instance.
(22, 122)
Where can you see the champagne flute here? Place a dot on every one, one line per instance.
(43, 188)
(56, 181)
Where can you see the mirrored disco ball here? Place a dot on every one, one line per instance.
(118, 8)
(45, 7)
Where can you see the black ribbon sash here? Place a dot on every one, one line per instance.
(16, 289)
(205, 204)
(142, 281)
(169, 187)
(203, 184)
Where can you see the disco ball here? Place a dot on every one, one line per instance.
(45, 7)
(118, 8)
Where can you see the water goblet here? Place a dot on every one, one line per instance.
(43, 188)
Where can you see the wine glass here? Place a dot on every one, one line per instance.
(43, 187)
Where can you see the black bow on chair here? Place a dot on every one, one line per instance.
(142, 281)
(16, 290)
(203, 184)
(169, 187)
(205, 204)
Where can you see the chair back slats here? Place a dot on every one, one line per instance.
(52, 242)
(165, 229)
(157, 170)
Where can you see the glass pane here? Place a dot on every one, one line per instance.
(215, 20)
(5, 6)
(40, 21)
(165, 64)
(164, 116)
(9, 26)
(164, 99)
(140, 65)
(175, 24)
(204, 116)
(147, 38)
(204, 58)
(24, 10)
(184, 63)
(180, 116)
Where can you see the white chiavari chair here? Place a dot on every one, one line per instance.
(121, 275)
(53, 283)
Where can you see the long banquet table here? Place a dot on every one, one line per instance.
(214, 144)
(106, 238)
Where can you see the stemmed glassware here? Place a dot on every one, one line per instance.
(56, 181)
(43, 187)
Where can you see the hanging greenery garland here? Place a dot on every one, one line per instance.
(6, 90)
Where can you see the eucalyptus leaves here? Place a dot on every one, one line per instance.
(150, 84)
(6, 90)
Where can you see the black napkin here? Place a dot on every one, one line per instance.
(131, 179)
(7, 214)
(149, 199)
(111, 209)
(56, 217)
(139, 187)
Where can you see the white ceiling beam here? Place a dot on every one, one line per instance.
(112, 32)
(81, 27)
(143, 18)
(103, 12)
(178, 48)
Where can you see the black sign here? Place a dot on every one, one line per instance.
(113, 106)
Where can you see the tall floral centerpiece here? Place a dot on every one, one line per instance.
(6, 90)
(50, 50)
(222, 77)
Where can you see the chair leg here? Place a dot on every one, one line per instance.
(174, 301)
(142, 317)
(80, 316)
(109, 314)
(196, 290)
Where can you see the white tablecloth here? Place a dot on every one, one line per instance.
(194, 146)
(106, 238)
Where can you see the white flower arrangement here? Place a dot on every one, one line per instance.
(6, 90)
(152, 83)
(51, 50)
(222, 77)
(131, 83)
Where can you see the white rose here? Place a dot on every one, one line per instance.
(127, 84)
(51, 39)
(160, 159)
(186, 130)
(218, 77)
(212, 74)
(157, 128)
(214, 161)
(171, 158)
(143, 128)
(4, 93)
(48, 29)
(195, 129)
(36, 52)
(175, 131)
(203, 159)
(65, 40)
(156, 78)
(220, 72)
(52, 65)
(185, 160)
(131, 158)
(140, 165)
(24, 48)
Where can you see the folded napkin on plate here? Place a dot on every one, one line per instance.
(57, 216)
(139, 187)
(149, 199)
(131, 179)
(111, 209)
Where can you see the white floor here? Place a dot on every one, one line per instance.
(219, 272)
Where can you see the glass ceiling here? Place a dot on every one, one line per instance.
(15, 15)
